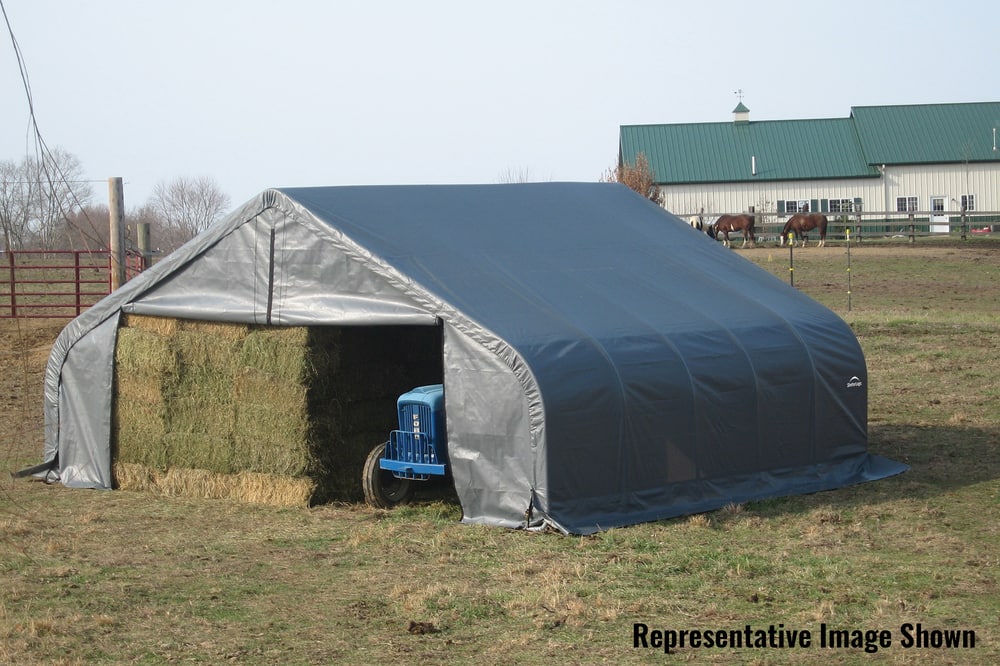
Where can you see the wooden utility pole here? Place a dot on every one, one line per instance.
(116, 206)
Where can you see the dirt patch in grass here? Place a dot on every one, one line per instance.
(24, 351)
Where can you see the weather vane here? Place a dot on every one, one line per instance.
(739, 94)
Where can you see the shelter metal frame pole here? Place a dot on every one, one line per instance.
(270, 280)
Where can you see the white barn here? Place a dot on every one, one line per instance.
(884, 162)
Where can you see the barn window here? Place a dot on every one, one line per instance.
(792, 206)
(968, 202)
(906, 204)
(841, 205)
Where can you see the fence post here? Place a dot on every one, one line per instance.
(848, 269)
(142, 240)
(791, 258)
(913, 230)
(963, 222)
(76, 279)
(116, 208)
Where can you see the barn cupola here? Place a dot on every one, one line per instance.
(741, 114)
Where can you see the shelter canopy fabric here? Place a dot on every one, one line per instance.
(604, 363)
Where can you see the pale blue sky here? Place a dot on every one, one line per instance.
(268, 94)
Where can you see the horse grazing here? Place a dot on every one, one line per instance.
(800, 223)
(726, 224)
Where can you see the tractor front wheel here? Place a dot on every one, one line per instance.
(382, 489)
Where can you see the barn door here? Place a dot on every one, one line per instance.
(939, 221)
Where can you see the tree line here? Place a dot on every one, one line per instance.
(46, 203)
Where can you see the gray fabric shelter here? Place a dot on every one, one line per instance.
(604, 364)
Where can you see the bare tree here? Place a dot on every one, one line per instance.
(515, 175)
(15, 213)
(83, 229)
(38, 195)
(61, 191)
(186, 207)
(637, 176)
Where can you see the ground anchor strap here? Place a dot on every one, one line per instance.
(37, 469)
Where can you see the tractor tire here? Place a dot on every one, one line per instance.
(382, 489)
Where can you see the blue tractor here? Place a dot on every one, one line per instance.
(418, 451)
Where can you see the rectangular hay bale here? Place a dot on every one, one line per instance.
(228, 331)
(285, 353)
(254, 386)
(267, 440)
(201, 451)
(141, 351)
(244, 487)
(132, 476)
(163, 326)
(198, 415)
(199, 350)
(141, 388)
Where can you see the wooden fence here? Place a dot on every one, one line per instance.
(873, 225)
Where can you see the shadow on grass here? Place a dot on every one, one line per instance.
(942, 460)
(440, 490)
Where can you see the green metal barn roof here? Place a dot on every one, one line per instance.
(725, 152)
(928, 133)
(850, 147)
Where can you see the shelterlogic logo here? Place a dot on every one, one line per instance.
(854, 382)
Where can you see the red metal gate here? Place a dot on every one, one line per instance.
(57, 283)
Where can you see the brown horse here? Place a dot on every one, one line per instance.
(800, 223)
(722, 227)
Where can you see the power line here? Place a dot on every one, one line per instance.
(45, 155)
(45, 182)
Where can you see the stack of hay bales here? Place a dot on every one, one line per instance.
(264, 414)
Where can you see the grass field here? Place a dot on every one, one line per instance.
(121, 577)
